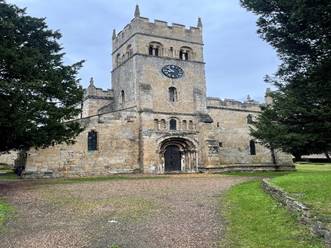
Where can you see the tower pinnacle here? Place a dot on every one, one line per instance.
(114, 34)
(91, 81)
(199, 22)
(137, 11)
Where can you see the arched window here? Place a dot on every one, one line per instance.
(92, 141)
(250, 119)
(122, 97)
(190, 125)
(172, 94)
(155, 49)
(156, 124)
(184, 125)
(252, 147)
(118, 59)
(185, 53)
(171, 52)
(173, 124)
(163, 124)
(129, 51)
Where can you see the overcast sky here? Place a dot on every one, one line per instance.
(236, 58)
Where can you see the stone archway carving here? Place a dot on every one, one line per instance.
(188, 155)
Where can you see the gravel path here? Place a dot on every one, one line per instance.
(176, 211)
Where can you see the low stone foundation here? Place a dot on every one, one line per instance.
(245, 168)
(51, 174)
(317, 226)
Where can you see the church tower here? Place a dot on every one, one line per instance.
(158, 67)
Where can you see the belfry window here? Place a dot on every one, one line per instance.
(118, 59)
(173, 124)
(155, 49)
(122, 97)
(185, 53)
(129, 51)
(252, 147)
(172, 94)
(92, 141)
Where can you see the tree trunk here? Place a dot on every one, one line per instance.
(273, 156)
(297, 157)
(20, 162)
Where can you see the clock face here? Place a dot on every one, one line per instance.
(173, 71)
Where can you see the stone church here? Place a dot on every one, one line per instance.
(157, 118)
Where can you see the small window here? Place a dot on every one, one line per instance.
(190, 125)
(171, 52)
(122, 97)
(172, 94)
(129, 51)
(173, 124)
(118, 59)
(151, 52)
(155, 49)
(156, 124)
(220, 144)
(184, 125)
(185, 53)
(163, 124)
(250, 119)
(92, 141)
(218, 124)
(252, 147)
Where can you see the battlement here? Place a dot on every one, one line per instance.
(159, 29)
(249, 105)
(93, 92)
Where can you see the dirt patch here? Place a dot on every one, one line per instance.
(176, 211)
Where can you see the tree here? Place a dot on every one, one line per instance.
(38, 94)
(300, 116)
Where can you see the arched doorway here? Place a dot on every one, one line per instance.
(172, 159)
(178, 154)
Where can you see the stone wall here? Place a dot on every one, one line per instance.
(317, 225)
(118, 150)
(8, 158)
(231, 133)
(94, 99)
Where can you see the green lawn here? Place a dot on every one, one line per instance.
(311, 185)
(5, 210)
(255, 220)
(7, 174)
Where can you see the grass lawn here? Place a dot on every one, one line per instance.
(311, 185)
(5, 210)
(7, 174)
(256, 220)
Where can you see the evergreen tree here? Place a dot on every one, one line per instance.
(38, 93)
(300, 117)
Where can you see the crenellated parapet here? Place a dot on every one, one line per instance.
(161, 29)
(92, 92)
(131, 39)
(95, 98)
(248, 105)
